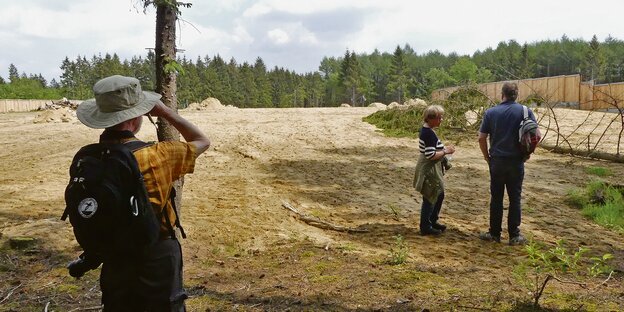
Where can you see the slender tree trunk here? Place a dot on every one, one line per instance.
(166, 82)
(165, 51)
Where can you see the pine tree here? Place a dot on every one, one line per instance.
(398, 75)
(13, 74)
(594, 61)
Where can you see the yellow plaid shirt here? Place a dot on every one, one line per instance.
(161, 164)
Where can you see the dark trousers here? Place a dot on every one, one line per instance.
(429, 212)
(506, 173)
(154, 284)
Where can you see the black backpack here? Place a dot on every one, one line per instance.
(107, 203)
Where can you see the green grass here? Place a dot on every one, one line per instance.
(598, 171)
(600, 202)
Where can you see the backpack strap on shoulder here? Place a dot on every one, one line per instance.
(177, 221)
(525, 112)
(136, 145)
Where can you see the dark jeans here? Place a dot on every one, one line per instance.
(506, 173)
(154, 284)
(429, 212)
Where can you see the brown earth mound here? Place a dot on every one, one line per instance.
(207, 104)
(62, 114)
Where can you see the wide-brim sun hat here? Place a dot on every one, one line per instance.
(117, 99)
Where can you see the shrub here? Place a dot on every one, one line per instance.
(398, 254)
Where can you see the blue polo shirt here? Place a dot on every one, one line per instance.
(501, 123)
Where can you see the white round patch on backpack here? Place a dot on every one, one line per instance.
(87, 207)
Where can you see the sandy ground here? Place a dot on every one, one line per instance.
(246, 252)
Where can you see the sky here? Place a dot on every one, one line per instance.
(37, 35)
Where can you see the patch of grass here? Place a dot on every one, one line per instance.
(576, 198)
(325, 279)
(599, 171)
(307, 254)
(68, 289)
(347, 247)
(601, 202)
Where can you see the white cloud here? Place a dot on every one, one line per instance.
(278, 36)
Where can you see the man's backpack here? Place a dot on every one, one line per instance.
(107, 203)
(528, 134)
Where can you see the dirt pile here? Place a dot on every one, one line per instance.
(207, 104)
(61, 114)
(378, 105)
(417, 103)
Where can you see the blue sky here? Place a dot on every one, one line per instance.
(36, 35)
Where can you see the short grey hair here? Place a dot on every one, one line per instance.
(432, 112)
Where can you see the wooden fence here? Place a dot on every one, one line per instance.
(556, 89)
(8, 106)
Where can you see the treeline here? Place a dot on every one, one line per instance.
(357, 79)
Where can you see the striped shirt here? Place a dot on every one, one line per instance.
(161, 164)
(429, 143)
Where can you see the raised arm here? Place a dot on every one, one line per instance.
(189, 131)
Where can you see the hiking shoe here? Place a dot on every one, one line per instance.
(439, 227)
(430, 231)
(517, 240)
(487, 236)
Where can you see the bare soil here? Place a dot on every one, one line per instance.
(245, 252)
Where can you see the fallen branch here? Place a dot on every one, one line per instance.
(316, 222)
(10, 293)
(583, 153)
(87, 309)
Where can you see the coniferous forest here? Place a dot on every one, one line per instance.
(357, 79)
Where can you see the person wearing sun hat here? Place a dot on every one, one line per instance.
(155, 284)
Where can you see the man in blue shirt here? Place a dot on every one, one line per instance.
(500, 124)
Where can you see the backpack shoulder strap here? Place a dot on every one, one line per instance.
(134, 146)
(175, 210)
(525, 112)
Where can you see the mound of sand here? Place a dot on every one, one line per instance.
(410, 103)
(394, 105)
(63, 114)
(419, 103)
(207, 104)
(378, 105)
